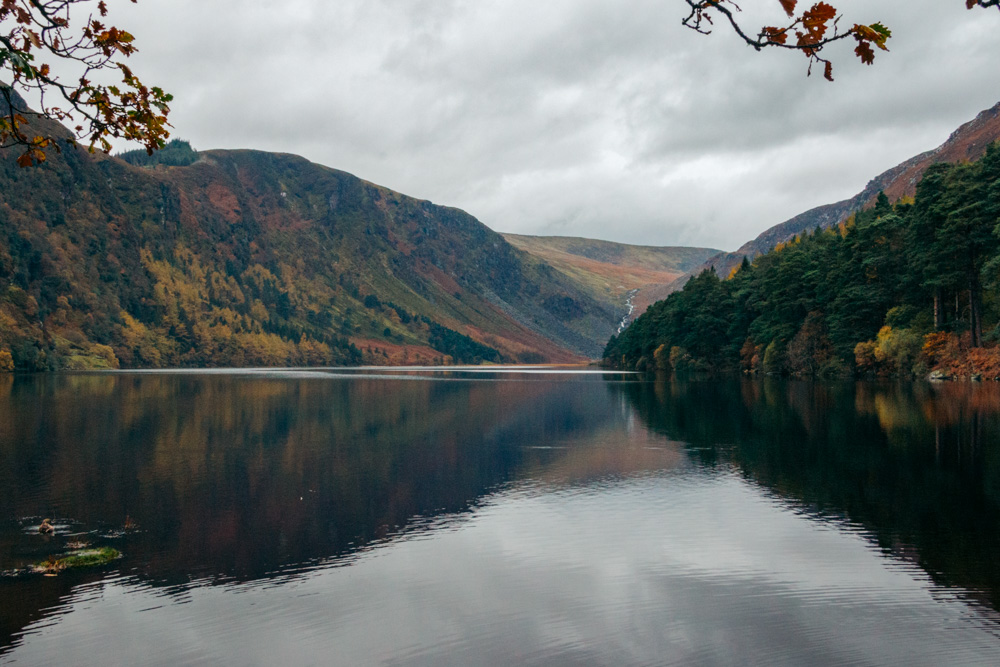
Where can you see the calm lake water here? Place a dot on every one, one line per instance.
(497, 517)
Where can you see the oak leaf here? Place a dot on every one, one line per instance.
(864, 51)
(775, 35)
(816, 18)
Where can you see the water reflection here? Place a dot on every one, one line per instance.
(499, 517)
(238, 476)
(916, 464)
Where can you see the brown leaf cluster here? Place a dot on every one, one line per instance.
(41, 29)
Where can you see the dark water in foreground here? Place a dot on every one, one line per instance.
(495, 518)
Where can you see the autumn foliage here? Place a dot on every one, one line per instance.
(808, 31)
(953, 355)
(39, 38)
(245, 258)
(898, 290)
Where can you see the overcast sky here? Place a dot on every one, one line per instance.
(597, 118)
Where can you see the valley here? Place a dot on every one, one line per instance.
(246, 258)
(625, 277)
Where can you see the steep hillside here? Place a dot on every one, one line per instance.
(967, 143)
(902, 290)
(252, 258)
(614, 273)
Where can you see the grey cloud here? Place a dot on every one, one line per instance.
(598, 118)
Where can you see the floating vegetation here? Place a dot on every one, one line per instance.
(75, 559)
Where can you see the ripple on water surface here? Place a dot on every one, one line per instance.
(300, 517)
(685, 567)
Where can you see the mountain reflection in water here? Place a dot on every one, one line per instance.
(492, 517)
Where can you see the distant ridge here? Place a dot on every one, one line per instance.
(618, 275)
(968, 142)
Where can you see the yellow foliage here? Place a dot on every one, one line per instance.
(259, 276)
(149, 346)
(314, 353)
(893, 351)
(105, 352)
(133, 331)
(224, 289)
(177, 286)
(662, 357)
(846, 226)
(226, 316)
(264, 349)
(6, 361)
(883, 338)
(259, 312)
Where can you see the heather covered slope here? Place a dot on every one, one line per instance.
(251, 258)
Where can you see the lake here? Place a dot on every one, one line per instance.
(497, 516)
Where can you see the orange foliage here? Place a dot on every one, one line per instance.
(750, 356)
(983, 361)
(814, 28)
(864, 356)
(955, 355)
(934, 346)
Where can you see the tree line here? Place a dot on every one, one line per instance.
(897, 289)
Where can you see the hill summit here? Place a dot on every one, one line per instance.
(243, 258)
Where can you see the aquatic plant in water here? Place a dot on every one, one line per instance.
(80, 558)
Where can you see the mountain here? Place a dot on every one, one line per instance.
(903, 290)
(250, 258)
(615, 274)
(967, 143)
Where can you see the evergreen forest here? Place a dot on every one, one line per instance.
(898, 289)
